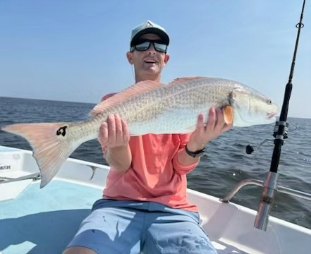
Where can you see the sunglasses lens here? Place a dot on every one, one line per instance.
(145, 45)
(160, 47)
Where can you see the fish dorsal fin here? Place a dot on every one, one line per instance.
(134, 90)
(179, 81)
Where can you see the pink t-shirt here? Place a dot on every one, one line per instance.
(155, 174)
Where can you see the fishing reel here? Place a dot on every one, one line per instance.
(249, 149)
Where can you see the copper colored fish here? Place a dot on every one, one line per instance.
(148, 107)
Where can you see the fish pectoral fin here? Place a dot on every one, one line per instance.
(228, 114)
(133, 91)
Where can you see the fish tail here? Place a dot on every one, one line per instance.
(228, 114)
(50, 143)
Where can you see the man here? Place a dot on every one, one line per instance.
(144, 206)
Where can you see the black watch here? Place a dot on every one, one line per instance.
(194, 154)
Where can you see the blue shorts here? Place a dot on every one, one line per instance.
(132, 227)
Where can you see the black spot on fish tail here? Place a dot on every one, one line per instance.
(61, 131)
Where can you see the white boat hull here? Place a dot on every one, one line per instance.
(78, 184)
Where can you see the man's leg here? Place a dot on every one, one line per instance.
(176, 232)
(108, 229)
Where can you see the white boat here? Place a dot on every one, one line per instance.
(34, 220)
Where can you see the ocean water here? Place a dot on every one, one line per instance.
(223, 166)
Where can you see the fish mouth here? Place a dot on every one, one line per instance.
(271, 115)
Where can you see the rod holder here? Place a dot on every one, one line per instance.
(267, 197)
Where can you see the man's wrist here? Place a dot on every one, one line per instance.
(194, 153)
(192, 146)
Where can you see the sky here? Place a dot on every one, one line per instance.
(75, 50)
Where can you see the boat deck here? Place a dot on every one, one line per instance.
(44, 223)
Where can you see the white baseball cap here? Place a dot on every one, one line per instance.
(149, 27)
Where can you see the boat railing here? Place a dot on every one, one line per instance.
(281, 189)
(33, 176)
(269, 188)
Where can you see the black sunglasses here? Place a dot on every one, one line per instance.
(145, 44)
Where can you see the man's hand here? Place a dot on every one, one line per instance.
(114, 138)
(114, 133)
(206, 132)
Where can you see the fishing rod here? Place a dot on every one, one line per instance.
(280, 133)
